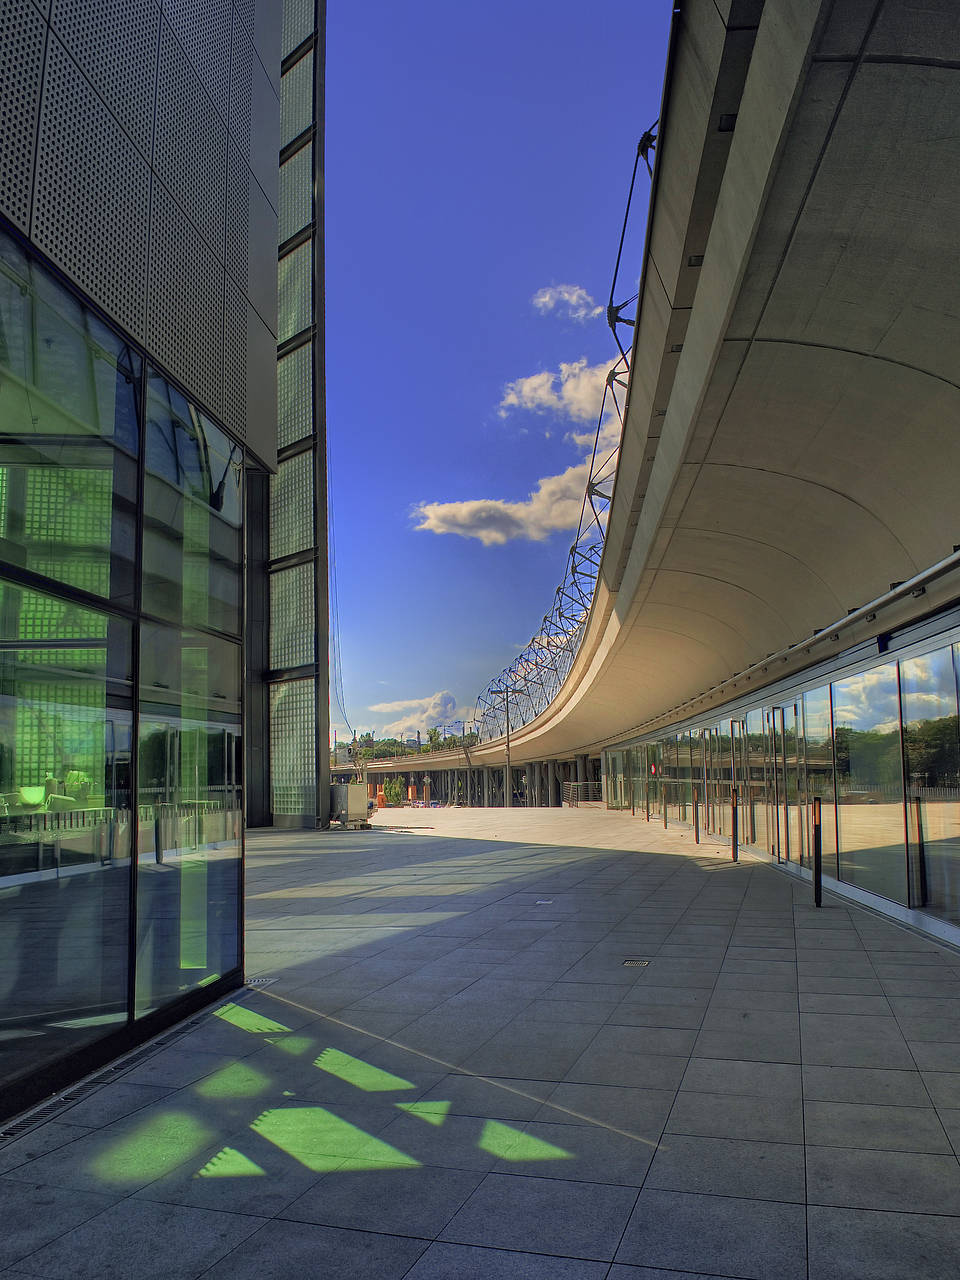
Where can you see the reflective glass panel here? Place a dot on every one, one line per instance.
(192, 548)
(870, 816)
(818, 744)
(68, 435)
(190, 813)
(931, 751)
(755, 803)
(65, 822)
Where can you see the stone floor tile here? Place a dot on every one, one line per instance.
(895, 1180)
(34, 1214)
(853, 1040)
(147, 1241)
(757, 1239)
(410, 1202)
(851, 1244)
(713, 1115)
(748, 1078)
(48, 1137)
(469, 1262)
(544, 1215)
(943, 1087)
(886, 1128)
(866, 1085)
(577, 1152)
(306, 1249)
(761, 1036)
(728, 1167)
(638, 1112)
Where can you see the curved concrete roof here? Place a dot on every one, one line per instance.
(792, 437)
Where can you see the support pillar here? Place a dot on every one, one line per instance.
(486, 788)
(507, 787)
(552, 784)
(581, 768)
(528, 771)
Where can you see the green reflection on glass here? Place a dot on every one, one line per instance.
(193, 913)
(247, 1020)
(432, 1112)
(359, 1073)
(236, 1081)
(230, 1163)
(158, 1145)
(321, 1141)
(210, 978)
(510, 1144)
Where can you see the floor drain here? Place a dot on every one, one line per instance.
(633, 962)
(259, 982)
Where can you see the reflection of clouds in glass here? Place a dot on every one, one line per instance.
(868, 701)
(929, 689)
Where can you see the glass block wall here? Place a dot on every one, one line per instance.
(299, 683)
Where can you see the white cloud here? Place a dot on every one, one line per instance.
(575, 391)
(554, 505)
(572, 299)
(421, 713)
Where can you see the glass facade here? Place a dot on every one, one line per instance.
(880, 748)
(298, 672)
(121, 552)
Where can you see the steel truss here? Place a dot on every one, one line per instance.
(526, 688)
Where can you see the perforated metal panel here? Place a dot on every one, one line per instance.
(21, 63)
(191, 145)
(237, 244)
(185, 318)
(203, 27)
(296, 193)
(295, 396)
(291, 506)
(298, 23)
(296, 100)
(246, 11)
(295, 292)
(293, 754)
(292, 633)
(99, 234)
(241, 85)
(115, 44)
(235, 342)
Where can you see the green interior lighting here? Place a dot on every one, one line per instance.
(230, 1163)
(321, 1141)
(511, 1144)
(193, 913)
(359, 1073)
(235, 1081)
(247, 1020)
(433, 1112)
(156, 1146)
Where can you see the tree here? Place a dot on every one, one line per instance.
(433, 739)
(394, 790)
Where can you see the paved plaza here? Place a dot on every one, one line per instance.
(558, 1044)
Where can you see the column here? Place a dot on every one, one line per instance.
(552, 783)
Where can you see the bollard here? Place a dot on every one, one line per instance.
(696, 815)
(817, 855)
(734, 826)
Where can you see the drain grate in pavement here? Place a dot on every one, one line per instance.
(635, 962)
(259, 982)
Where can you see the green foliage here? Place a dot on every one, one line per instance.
(395, 791)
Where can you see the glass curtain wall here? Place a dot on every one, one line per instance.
(108, 672)
(299, 690)
(881, 751)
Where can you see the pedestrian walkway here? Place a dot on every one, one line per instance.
(486, 1048)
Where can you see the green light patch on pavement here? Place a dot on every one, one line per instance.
(149, 1151)
(433, 1112)
(230, 1163)
(321, 1141)
(510, 1144)
(359, 1073)
(236, 1081)
(291, 1044)
(248, 1020)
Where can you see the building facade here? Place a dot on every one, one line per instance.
(139, 202)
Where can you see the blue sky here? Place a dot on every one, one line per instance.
(477, 161)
